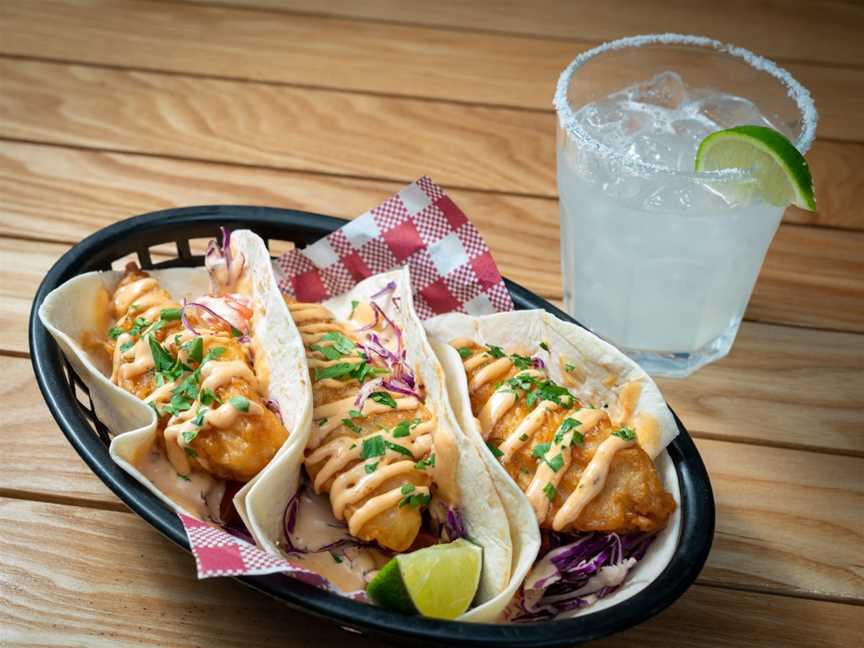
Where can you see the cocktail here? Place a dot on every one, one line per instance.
(657, 257)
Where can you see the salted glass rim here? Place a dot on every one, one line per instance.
(570, 125)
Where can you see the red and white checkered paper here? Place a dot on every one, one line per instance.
(451, 270)
(451, 266)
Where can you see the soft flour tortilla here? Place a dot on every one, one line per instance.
(603, 371)
(72, 310)
(485, 521)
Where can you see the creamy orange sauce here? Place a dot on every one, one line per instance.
(358, 495)
(593, 479)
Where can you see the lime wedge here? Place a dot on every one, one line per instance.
(781, 172)
(439, 581)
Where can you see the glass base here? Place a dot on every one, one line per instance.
(680, 365)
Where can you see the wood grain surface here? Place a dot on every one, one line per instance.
(114, 108)
(157, 601)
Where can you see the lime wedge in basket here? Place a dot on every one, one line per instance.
(781, 172)
(439, 581)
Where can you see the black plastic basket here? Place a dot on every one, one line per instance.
(89, 437)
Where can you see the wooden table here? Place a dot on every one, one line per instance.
(109, 109)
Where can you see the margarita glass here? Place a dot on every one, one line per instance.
(656, 258)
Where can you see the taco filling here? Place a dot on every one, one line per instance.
(595, 492)
(371, 449)
(195, 364)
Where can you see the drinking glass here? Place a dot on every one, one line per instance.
(656, 258)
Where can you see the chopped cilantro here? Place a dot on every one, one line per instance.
(208, 397)
(334, 371)
(351, 425)
(494, 450)
(169, 314)
(199, 416)
(126, 346)
(330, 352)
(395, 447)
(383, 398)
(340, 342)
(373, 447)
(190, 452)
(465, 352)
(566, 425)
(356, 414)
(184, 477)
(161, 358)
(495, 351)
(569, 367)
(194, 349)
(549, 491)
(555, 463)
(188, 436)
(354, 304)
(540, 449)
(545, 347)
(626, 433)
(523, 437)
(403, 428)
(423, 464)
(371, 467)
(336, 557)
(114, 332)
(407, 488)
(412, 500)
(213, 354)
(321, 422)
(138, 325)
(521, 362)
(240, 403)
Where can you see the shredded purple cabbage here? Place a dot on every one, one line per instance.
(454, 526)
(579, 569)
(538, 363)
(389, 288)
(191, 304)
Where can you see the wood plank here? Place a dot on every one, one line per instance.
(434, 63)
(36, 457)
(821, 268)
(815, 31)
(73, 589)
(788, 521)
(787, 517)
(309, 130)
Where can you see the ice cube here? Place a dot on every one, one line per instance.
(727, 111)
(669, 198)
(656, 148)
(666, 90)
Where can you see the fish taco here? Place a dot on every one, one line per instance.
(577, 432)
(198, 373)
(386, 469)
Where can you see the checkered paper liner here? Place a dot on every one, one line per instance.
(450, 264)
(451, 270)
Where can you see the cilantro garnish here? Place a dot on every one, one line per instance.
(354, 304)
(188, 436)
(138, 325)
(373, 447)
(356, 414)
(403, 428)
(321, 422)
(208, 397)
(213, 354)
(114, 332)
(351, 425)
(540, 449)
(545, 347)
(184, 477)
(495, 351)
(523, 437)
(494, 450)
(190, 452)
(626, 433)
(569, 367)
(465, 352)
(336, 557)
(199, 416)
(383, 398)
(341, 343)
(555, 463)
(194, 349)
(371, 468)
(169, 314)
(412, 500)
(521, 362)
(549, 491)
(566, 425)
(126, 346)
(423, 464)
(240, 403)
(395, 447)
(161, 358)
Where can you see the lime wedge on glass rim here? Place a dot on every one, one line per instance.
(439, 581)
(780, 171)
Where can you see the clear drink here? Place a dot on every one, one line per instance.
(656, 258)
